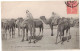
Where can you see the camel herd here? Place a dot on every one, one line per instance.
(20, 23)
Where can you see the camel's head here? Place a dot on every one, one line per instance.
(42, 17)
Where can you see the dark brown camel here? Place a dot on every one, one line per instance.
(26, 24)
(39, 24)
(9, 25)
(50, 21)
(63, 24)
(5, 27)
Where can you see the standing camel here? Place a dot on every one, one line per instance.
(19, 24)
(39, 24)
(9, 25)
(63, 24)
(26, 24)
(5, 27)
(52, 22)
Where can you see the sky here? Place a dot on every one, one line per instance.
(15, 9)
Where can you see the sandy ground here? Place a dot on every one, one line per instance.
(47, 42)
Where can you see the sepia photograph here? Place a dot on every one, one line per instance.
(39, 25)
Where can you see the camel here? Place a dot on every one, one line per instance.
(29, 25)
(5, 27)
(63, 24)
(38, 24)
(8, 25)
(26, 24)
(18, 24)
(50, 21)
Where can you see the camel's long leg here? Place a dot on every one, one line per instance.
(6, 34)
(67, 35)
(18, 31)
(61, 36)
(26, 34)
(10, 32)
(61, 39)
(57, 36)
(51, 26)
(34, 35)
(23, 34)
(14, 31)
(39, 31)
(62, 32)
(33, 29)
(31, 35)
(69, 31)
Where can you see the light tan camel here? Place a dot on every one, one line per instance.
(27, 24)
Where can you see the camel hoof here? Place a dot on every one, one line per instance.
(34, 42)
(51, 34)
(26, 39)
(22, 40)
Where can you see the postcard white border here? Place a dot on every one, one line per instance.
(40, 50)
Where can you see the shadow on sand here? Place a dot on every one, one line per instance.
(37, 38)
